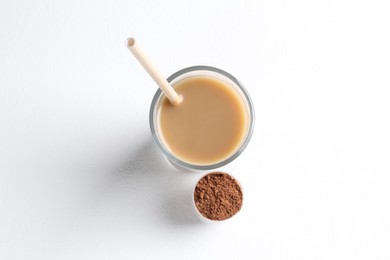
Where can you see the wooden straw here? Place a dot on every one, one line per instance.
(167, 89)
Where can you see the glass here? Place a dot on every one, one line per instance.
(199, 71)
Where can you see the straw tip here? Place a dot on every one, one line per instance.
(178, 100)
(130, 42)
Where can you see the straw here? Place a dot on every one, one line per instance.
(166, 88)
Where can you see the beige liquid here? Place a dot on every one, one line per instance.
(208, 126)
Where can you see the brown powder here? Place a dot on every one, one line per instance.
(218, 196)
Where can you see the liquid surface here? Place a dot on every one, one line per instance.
(208, 126)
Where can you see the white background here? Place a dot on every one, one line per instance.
(80, 177)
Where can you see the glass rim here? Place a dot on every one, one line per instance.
(233, 156)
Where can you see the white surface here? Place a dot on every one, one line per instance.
(80, 177)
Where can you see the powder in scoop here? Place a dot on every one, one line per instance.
(218, 196)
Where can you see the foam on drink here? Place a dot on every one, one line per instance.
(208, 126)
